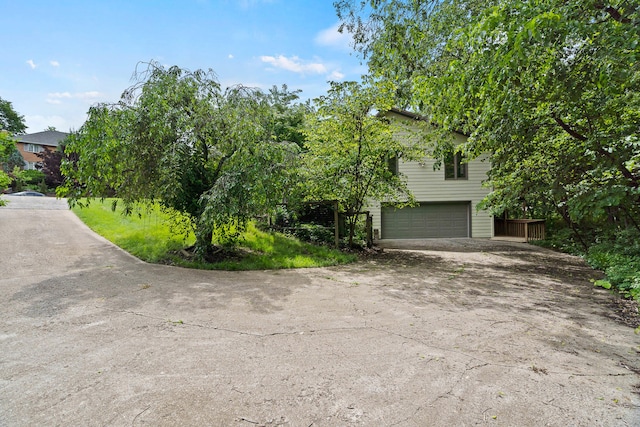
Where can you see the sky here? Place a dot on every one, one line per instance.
(57, 58)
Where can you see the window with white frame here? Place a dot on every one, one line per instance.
(33, 148)
(31, 165)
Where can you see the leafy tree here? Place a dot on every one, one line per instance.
(288, 118)
(349, 147)
(178, 138)
(550, 88)
(18, 178)
(50, 163)
(7, 144)
(5, 180)
(10, 157)
(10, 120)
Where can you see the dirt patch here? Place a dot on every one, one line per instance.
(217, 254)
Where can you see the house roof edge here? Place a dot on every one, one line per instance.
(417, 116)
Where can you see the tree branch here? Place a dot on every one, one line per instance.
(569, 129)
(613, 13)
(614, 161)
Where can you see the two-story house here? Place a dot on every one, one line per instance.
(31, 144)
(447, 197)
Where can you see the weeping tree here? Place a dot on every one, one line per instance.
(178, 138)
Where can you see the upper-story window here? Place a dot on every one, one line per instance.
(392, 164)
(33, 148)
(454, 166)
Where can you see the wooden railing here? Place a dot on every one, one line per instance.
(527, 229)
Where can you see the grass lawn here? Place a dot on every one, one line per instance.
(148, 235)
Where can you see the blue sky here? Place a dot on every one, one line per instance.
(60, 57)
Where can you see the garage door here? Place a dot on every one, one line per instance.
(429, 220)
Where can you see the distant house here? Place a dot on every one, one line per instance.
(447, 196)
(31, 144)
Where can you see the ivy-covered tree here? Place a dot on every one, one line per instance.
(550, 88)
(178, 138)
(348, 149)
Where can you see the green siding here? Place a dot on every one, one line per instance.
(429, 186)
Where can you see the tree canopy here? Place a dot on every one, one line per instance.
(549, 88)
(179, 138)
(10, 120)
(10, 157)
(349, 147)
(50, 162)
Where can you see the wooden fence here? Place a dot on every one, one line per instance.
(526, 229)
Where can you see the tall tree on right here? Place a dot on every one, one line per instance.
(550, 88)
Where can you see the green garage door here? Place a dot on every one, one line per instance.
(429, 220)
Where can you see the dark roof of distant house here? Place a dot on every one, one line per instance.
(47, 137)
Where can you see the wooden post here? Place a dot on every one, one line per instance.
(526, 232)
(369, 230)
(505, 223)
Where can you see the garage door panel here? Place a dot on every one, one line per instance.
(429, 220)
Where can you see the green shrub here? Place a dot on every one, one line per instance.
(32, 177)
(314, 233)
(560, 238)
(619, 258)
(42, 187)
(625, 276)
(5, 180)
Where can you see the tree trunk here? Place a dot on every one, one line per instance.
(203, 246)
(574, 228)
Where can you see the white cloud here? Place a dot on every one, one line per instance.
(57, 97)
(336, 75)
(294, 64)
(333, 38)
(54, 63)
(230, 56)
(31, 64)
(37, 123)
(90, 95)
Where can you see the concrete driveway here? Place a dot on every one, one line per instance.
(497, 335)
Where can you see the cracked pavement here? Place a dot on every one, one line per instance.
(464, 333)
